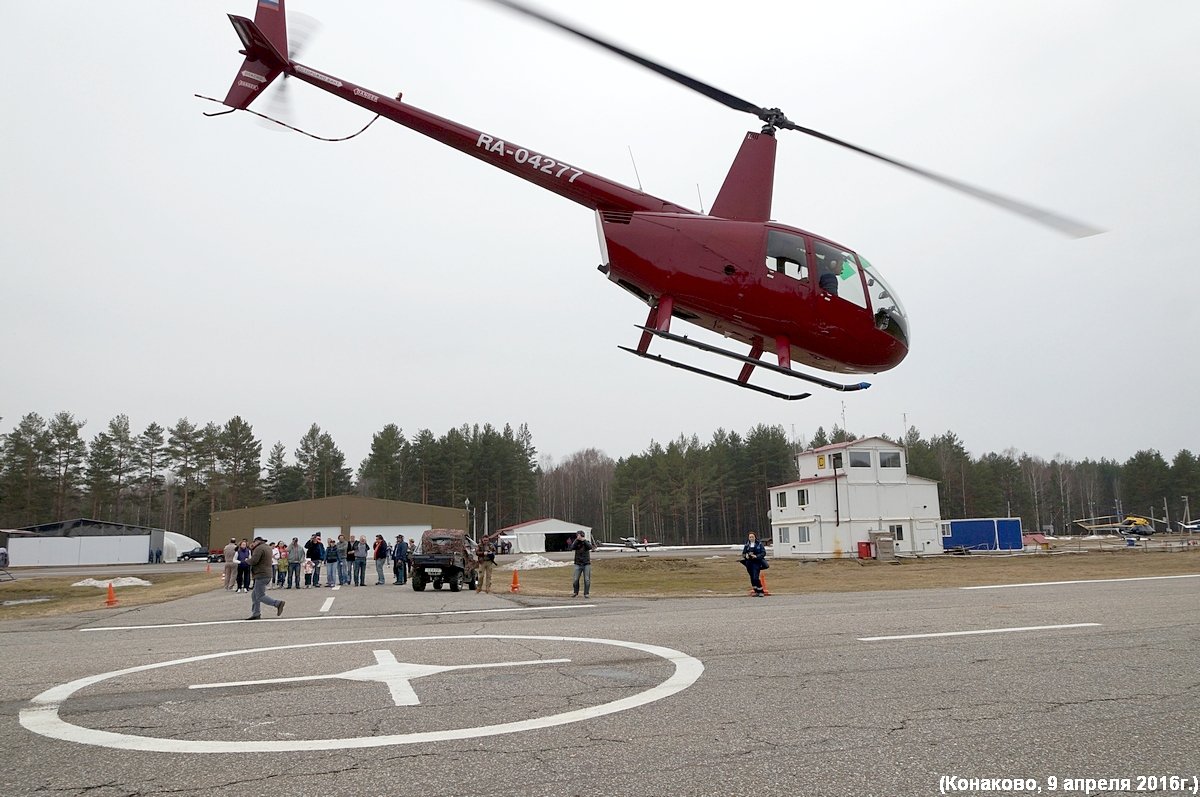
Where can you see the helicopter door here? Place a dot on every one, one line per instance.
(838, 274)
(787, 257)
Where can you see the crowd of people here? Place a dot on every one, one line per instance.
(299, 565)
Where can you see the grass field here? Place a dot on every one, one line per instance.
(660, 576)
(66, 599)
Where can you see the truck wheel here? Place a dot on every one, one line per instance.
(473, 584)
(456, 582)
(418, 581)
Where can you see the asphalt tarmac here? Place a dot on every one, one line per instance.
(383, 690)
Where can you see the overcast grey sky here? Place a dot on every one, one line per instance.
(162, 264)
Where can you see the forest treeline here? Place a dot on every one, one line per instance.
(686, 490)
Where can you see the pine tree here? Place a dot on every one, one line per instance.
(322, 465)
(381, 474)
(336, 476)
(183, 454)
(27, 472)
(210, 455)
(68, 452)
(283, 482)
(100, 474)
(241, 463)
(149, 453)
(120, 440)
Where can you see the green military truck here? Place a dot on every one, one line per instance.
(445, 556)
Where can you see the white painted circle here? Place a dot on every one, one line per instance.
(43, 717)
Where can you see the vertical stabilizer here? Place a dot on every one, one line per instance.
(748, 188)
(264, 42)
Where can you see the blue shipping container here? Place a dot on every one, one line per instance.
(983, 534)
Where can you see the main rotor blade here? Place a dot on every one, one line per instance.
(1075, 229)
(723, 97)
(775, 117)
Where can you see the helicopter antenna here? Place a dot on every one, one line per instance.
(634, 162)
(702, 212)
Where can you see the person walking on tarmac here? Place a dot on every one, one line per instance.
(261, 559)
(486, 553)
(754, 558)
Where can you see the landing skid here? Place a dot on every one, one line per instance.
(750, 361)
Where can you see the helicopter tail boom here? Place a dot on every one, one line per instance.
(265, 41)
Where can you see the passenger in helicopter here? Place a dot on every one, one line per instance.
(829, 275)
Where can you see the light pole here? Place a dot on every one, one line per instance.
(471, 512)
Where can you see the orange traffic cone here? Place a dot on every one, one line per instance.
(112, 596)
(516, 585)
(208, 567)
(763, 580)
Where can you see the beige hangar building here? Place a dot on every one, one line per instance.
(339, 514)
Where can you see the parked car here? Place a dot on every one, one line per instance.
(217, 555)
(195, 553)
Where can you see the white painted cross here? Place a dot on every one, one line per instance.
(396, 674)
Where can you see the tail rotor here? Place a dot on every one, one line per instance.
(278, 102)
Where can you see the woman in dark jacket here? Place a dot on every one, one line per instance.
(754, 557)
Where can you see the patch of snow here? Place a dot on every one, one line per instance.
(534, 561)
(124, 581)
(24, 600)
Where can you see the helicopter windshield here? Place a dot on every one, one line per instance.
(889, 313)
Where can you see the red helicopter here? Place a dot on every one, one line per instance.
(800, 296)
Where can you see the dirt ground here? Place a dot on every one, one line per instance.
(703, 574)
(66, 599)
(661, 576)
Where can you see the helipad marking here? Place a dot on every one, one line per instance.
(43, 718)
(342, 617)
(1082, 581)
(396, 674)
(972, 633)
(326, 605)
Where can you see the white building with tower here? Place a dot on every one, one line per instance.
(852, 499)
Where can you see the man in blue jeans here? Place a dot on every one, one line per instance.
(400, 560)
(294, 554)
(333, 566)
(316, 554)
(583, 564)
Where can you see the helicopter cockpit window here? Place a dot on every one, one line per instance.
(838, 275)
(786, 254)
(889, 313)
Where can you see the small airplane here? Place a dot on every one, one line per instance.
(630, 543)
(1193, 526)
